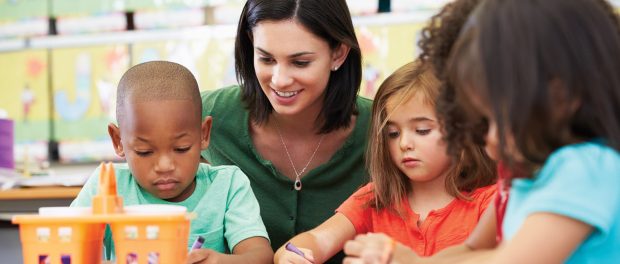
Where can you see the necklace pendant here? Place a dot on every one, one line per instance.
(297, 184)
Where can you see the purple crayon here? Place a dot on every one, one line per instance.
(290, 247)
(198, 243)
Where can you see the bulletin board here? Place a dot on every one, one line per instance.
(84, 82)
(26, 100)
(385, 49)
(211, 60)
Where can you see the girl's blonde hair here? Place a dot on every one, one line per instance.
(470, 170)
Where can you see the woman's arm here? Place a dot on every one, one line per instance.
(253, 250)
(320, 243)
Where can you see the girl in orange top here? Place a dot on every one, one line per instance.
(418, 195)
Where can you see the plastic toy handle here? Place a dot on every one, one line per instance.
(107, 179)
(107, 201)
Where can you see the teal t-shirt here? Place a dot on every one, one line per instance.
(285, 211)
(226, 210)
(580, 181)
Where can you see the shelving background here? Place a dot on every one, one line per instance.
(60, 60)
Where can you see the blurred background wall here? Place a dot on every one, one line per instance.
(60, 60)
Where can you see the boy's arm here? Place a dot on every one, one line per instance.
(244, 228)
(251, 250)
(320, 243)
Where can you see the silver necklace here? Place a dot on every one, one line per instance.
(297, 184)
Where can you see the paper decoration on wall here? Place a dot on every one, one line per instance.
(75, 109)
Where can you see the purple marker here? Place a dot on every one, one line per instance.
(198, 243)
(289, 246)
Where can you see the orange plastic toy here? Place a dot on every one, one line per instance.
(76, 234)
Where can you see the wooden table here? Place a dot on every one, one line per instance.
(28, 200)
(33, 193)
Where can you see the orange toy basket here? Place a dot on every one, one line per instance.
(58, 241)
(151, 239)
(69, 235)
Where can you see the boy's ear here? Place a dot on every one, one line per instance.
(115, 135)
(206, 132)
(339, 55)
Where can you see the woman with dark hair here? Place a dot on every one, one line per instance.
(294, 124)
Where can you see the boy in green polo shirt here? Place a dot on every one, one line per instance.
(160, 134)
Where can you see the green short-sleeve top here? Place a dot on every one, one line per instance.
(225, 207)
(285, 211)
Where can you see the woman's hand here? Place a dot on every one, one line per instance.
(292, 257)
(377, 248)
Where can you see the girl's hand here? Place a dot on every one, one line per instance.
(204, 256)
(369, 248)
(292, 257)
(377, 248)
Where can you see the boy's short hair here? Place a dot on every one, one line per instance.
(154, 81)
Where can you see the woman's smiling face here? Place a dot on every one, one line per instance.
(293, 65)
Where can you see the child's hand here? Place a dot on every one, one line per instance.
(204, 256)
(292, 257)
(376, 248)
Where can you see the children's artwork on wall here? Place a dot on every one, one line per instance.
(25, 98)
(384, 49)
(187, 53)
(84, 82)
(211, 60)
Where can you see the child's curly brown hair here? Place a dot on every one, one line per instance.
(436, 42)
(463, 126)
(440, 34)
